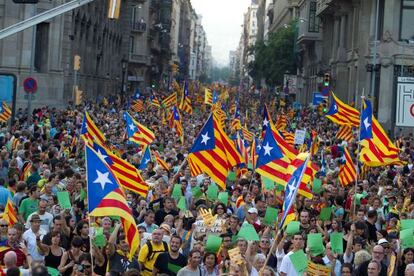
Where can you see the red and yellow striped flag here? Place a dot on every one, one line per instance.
(185, 104)
(345, 133)
(170, 101)
(5, 112)
(347, 172)
(9, 214)
(160, 161)
(341, 113)
(90, 132)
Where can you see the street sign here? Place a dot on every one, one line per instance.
(30, 85)
(405, 102)
(317, 98)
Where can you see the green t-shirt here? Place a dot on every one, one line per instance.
(28, 206)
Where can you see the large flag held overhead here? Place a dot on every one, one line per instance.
(347, 171)
(90, 132)
(214, 153)
(308, 174)
(128, 176)
(271, 162)
(137, 132)
(5, 112)
(291, 191)
(185, 104)
(341, 113)
(345, 133)
(9, 214)
(175, 122)
(170, 101)
(106, 198)
(376, 148)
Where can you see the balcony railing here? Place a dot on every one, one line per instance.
(322, 6)
(137, 58)
(139, 26)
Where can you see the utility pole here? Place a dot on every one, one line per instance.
(32, 55)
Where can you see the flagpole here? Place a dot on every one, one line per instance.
(357, 156)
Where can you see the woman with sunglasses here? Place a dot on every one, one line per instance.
(71, 257)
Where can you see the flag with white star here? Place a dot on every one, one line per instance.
(105, 197)
(366, 122)
(341, 113)
(137, 132)
(146, 158)
(291, 191)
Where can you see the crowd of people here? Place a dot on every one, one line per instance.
(42, 159)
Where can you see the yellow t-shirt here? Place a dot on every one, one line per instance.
(149, 263)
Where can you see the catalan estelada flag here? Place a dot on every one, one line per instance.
(214, 153)
(308, 174)
(185, 104)
(27, 166)
(137, 132)
(236, 122)
(208, 97)
(90, 132)
(281, 122)
(154, 101)
(106, 198)
(271, 162)
(175, 122)
(288, 136)
(146, 158)
(254, 149)
(347, 171)
(341, 113)
(291, 192)
(194, 168)
(160, 161)
(137, 102)
(9, 214)
(170, 101)
(247, 135)
(314, 143)
(128, 176)
(5, 112)
(376, 148)
(345, 133)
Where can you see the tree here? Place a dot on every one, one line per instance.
(276, 57)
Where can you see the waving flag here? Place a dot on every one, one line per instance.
(170, 101)
(175, 122)
(308, 174)
(9, 214)
(154, 101)
(214, 153)
(288, 136)
(247, 135)
(128, 176)
(376, 148)
(323, 166)
(345, 133)
(254, 150)
(90, 132)
(314, 144)
(137, 102)
(146, 158)
(291, 191)
(137, 132)
(160, 161)
(267, 121)
(106, 197)
(208, 97)
(185, 104)
(236, 123)
(5, 112)
(271, 162)
(281, 122)
(347, 171)
(341, 113)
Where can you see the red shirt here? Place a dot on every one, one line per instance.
(21, 258)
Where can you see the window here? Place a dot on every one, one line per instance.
(313, 19)
(131, 44)
(41, 47)
(407, 20)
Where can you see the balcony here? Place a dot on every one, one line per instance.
(323, 7)
(139, 27)
(137, 58)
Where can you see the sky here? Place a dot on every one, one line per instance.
(222, 20)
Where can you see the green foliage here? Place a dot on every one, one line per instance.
(274, 58)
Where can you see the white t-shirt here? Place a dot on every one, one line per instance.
(30, 239)
(287, 265)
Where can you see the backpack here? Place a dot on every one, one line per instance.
(151, 252)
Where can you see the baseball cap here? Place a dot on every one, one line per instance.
(252, 211)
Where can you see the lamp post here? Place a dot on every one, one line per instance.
(124, 63)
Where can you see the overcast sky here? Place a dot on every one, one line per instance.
(221, 21)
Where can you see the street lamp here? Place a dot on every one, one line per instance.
(124, 64)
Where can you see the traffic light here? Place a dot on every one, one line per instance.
(324, 106)
(326, 79)
(114, 8)
(78, 96)
(77, 63)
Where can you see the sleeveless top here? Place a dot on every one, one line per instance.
(52, 260)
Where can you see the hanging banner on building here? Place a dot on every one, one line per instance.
(405, 102)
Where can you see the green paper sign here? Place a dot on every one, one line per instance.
(213, 243)
(52, 271)
(325, 213)
(248, 232)
(181, 204)
(64, 200)
(358, 198)
(223, 197)
(212, 192)
(100, 240)
(317, 186)
(270, 216)
(177, 193)
(407, 224)
(337, 243)
(232, 176)
(299, 261)
(268, 183)
(407, 238)
(315, 244)
(196, 192)
(293, 227)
